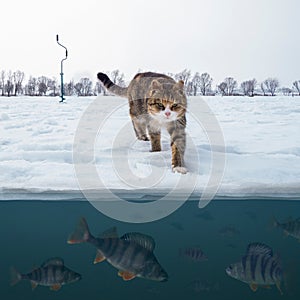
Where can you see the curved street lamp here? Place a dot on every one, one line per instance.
(61, 71)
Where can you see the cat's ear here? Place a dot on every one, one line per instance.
(179, 84)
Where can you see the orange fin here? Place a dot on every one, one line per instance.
(33, 284)
(253, 287)
(99, 257)
(126, 275)
(266, 286)
(55, 287)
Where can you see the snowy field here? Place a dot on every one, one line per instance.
(45, 146)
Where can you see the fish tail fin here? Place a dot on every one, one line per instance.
(81, 233)
(15, 276)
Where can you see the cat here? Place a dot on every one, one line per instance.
(156, 101)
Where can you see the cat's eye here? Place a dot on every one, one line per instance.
(160, 105)
(175, 105)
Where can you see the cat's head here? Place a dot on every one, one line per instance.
(167, 102)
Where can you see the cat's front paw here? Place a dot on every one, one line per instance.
(143, 138)
(181, 170)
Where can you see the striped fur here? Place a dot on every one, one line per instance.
(156, 101)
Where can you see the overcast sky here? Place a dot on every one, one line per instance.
(239, 38)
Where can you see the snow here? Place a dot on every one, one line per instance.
(52, 150)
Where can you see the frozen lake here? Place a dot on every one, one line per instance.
(40, 138)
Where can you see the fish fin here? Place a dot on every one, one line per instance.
(266, 286)
(146, 241)
(109, 233)
(277, 282)
(126, 275)
(286, 233)
(33, 284)
(81, 233)
(55, 287)
(55, 261)
(277, 258)
(99, 257)
(273, 223)
(259, 248)
(15, 276)
(253, 287)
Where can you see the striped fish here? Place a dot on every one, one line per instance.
(52, 273)
(291, 227)
(259, 267)
(132, 254)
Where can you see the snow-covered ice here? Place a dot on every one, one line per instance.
(37, 148)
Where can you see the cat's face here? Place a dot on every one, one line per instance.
(167, 102)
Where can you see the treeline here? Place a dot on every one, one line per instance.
(13, 84)
(202, 84)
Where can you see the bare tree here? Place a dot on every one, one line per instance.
(286, 91)
(195, 83)
(231, 85)
(9, 86)
(262, 86)
(205, 83)
(271, 85)
(43, 83)
(117, 77)
(2, 82)
(87, 86)
(252, 85)
(78, 89)
(84, 87)
(222, 88)
(31, 87)
(99, 88)
(52, 85)
(18, 78)
(248, 87)
(69, 88)
(189, 88)
(227, 87)
(296, 84)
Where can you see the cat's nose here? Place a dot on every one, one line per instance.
(167, 113)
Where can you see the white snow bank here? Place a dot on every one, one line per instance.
(261, 134)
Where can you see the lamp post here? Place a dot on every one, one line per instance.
(61, 71)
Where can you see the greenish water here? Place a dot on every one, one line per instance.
(33, 231)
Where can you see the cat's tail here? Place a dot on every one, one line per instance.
(111, 87)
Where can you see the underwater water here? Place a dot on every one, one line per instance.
(33, 231)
